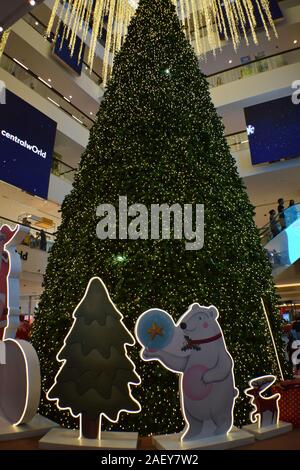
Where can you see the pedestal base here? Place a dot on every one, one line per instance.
(68, 439)
(38, 426)
(268, 431)
(236, 438)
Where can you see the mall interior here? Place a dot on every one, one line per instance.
(255, 89)
(253, 76)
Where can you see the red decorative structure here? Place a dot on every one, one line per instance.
(290, 401)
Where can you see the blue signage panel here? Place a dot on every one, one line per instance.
(63, 52)
(273, 130)
(27, 139)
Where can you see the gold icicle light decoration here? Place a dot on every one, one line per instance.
(207, 24)
(3, 40)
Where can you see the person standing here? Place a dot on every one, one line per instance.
(280, 211)
(291, 213)
(274, 226)
(43, 241)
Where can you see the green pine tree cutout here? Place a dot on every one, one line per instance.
(96, 374)
(158, 139)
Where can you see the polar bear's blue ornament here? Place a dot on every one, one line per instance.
(155, 329)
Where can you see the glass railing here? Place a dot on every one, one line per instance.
(46, 91)
(238, 141)
(41, 29)
(283, 249)
(62, 170)
(255, 67)
(37, 238)
(278, 224)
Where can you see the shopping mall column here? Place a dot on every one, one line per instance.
(159, 140)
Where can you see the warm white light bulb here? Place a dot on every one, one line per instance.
(32, 2)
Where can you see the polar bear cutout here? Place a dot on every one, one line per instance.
(196, 349)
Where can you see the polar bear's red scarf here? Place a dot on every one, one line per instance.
(193, 342)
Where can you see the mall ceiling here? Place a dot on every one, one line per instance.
(12, 10)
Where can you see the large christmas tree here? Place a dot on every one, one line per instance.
(158, 139)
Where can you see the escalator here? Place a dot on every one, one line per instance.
(283, 249)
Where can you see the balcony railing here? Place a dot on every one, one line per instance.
(283, 248)
(41, 28)
(255, 67)
(45, 90)
(36, 239)
(238, 141)
(270, 231)
(62, 170)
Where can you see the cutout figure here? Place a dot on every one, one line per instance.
(194, 347)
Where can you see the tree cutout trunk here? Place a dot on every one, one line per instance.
(90, 427)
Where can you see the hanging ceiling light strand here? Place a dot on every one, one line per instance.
(220, 19)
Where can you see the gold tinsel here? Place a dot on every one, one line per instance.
(206, 23)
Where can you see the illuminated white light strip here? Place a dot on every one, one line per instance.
(176, 325)
(27, 381)
(20, 63)
(282, 286)
(254, 415)
(54, 102)
(76, 118)
(272, 337)
(44, 81)
(244, 141)
(67, 99)
(63, 361)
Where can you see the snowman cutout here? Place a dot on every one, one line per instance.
(195, 348)
(20, 380)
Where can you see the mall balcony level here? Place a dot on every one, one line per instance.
(71, 122)
(259, 81)
(28, 36)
